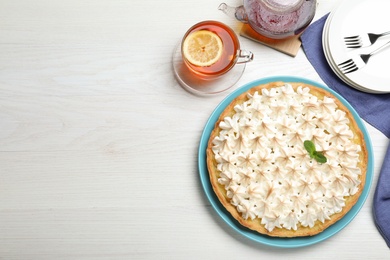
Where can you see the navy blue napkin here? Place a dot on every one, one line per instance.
(373, 108)
(382, 200)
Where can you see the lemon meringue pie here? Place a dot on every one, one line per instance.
(263, 175)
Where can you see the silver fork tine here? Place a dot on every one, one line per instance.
(354, 45)
(352, 38)
(345, 63)
(363, 40)
(348, 66)
(359, 61)
(353, 41)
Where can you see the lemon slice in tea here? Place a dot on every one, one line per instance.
(202, 48)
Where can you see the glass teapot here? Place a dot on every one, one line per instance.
(276, 19)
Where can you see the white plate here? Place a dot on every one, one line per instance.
(333, 65)
(354, 17)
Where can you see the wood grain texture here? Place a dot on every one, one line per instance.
(98, 142)
(288, 46)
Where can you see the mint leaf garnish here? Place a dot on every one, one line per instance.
(311, 149)
(319, 157)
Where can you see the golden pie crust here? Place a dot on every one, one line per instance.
(255, 224)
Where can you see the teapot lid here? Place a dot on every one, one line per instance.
(283, 5)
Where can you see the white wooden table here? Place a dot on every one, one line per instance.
(98, 141)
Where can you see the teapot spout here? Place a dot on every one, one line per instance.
(234, 12)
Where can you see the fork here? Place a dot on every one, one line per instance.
(359, 61)
(363, 40)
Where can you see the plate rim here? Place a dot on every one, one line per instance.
(253, 235)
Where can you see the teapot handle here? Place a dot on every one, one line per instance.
(234, 12)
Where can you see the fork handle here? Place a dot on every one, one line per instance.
(380, 48)
(385, 33)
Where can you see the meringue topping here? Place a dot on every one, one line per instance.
(265, 169)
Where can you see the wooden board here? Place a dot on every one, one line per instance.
(289, 46)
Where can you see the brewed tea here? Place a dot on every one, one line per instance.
(230, 49)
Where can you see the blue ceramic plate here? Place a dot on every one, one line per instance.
(263, 239)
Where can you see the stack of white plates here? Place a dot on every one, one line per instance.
(354, 17)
